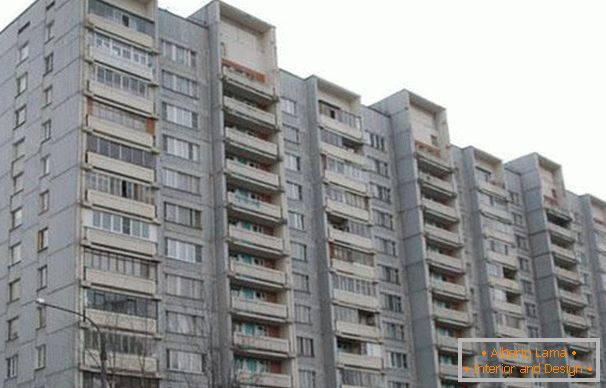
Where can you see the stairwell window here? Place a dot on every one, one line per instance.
(178, 54)
(42, 239)
(12, 364)
(296, 220)
(49, 31)
(15, 254)
(300, 282)
(305, 347)
(181, 181)
(302, 314)
(182, 215)
(294, 191)
(396, 360)
(184, 287)
(23, 52)
(179, 116)
(21, 84)
(391, 302)
(49, 63)
(288, 106)
(185, 361)
(181, 148)
(45, 161)
(16, 218)
(40, 356)
(292, 162)
(184, 251)
(20, 116)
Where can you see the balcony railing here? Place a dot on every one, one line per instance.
(358, 330)
(262, 379)
(436, 183)
(511, 332)
(251, 206)
(444, 261)
(359, 360)
(508, 307)
(564, 254)
(251, 84)
(252, 144)
(448, 288)
(120, 281)
(259, 308)
(501, 258)
(444, 341)
(344, 154)
(258, 273)
(357, 269)
(574, 320)
(567, 275)
(261, 343)
(350, 298)
(250, 112)
(350, 238)
(452, 316)
(572, 298)
(344, 209)
(560, 232)
(252, 175)
(255, 240)
(509, 284)
(443, 211)
(493, 188)
(345, 181)
(444, 235)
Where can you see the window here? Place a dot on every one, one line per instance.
(121, 304)
(14, 290)
(20, 116)
(44, 201)
(11, 366)
(19, 149)
(348, 169)
(12, 329)
(378, 166)
(15, 254)
(381, 193)
(302, 314)
(531, 309)
(16, 218)
(386, 246)
(121, 343)
(288, 106)
(527, 287)
(300, 282)
(45, 161)
(46, 130)
(375, 141)
(42, 277)
(181, 181)
(396, 360)
(399, 384)
(119, 263)
(49, 31)
(514, 197)
(305, 347)
(179, 84)
(518, 219)
(307, 378)
(181, 148)
(182, 286)
(292, 134)
(48, 95)
(533, 332)
(292, 162)
(184, 323)
(48, 63)
(178, 54)
(17, 183)
(40, 356)
(40, 317)
(23, 52)
(296, 220)
(393, 330)
(381, 218)
(21, 84)
(521, 242)
(42, 239)
(389, 274)
(391, 302)
(184, 251)
(179, 116)
(294, 191)
(184, 361)
(299, 251)
(182, 215)
(524, 264)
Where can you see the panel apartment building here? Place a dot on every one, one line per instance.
(229, 224)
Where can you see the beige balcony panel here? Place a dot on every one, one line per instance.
(344, 209)
(443, 234)
(232, 76)
(452, 370)
(344, 154)
(122, 97)
(344, 129)
(252, 143)
(499, 235)
(258, 307)
(508, 307)
(449, 288)
(122, 321)
(500, 213)
(121, 31)
(350, 298)
(119, 241)
(250, 111)
(506, 260)
(344, 181)
(264, 379)
(436, 207)
(493, 188)
(124, 362)
(445, 261)
(437, 182)
(518, 359)
(266, 344)
(105, 56)
(574, 320)
(120, 167)
(361, 270)
(438, 161)
(568, 275)
(350, 238)
(256, 239)
(101, 199)
(511, 332)
(255, 175)
(358, 330)
(452, 343)
(359, 360)
(572, 297)
(560, 231)
(265, 209)
(563, 253)
(508, 284)
(452, 315)
(117, 280)
(256, 272)
(120, 131)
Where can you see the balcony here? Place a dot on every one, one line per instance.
(552, 207)
(344, 181)
(572, 298)
(494, 211)
(349, 239)
(487, 231)
(359, 300)
(249, 87)
(255, 209)
(249, 114)
(560, 233)
(261, 344)
(433, 162)
(440, 211)
(583, 365)
(119, 281)
(508, 284)
(256, 242)
(452, 370)
(501, 258)
(123, 205)
(510, 332)
(494, 188)
(359, 360)
(342, 128)
(118, 241)
(436, 185)
(508, 307)
(577, 321)
(122, 321)
(277, 380)
(449, 263)
(565, 275)
(344, 154)
(442, 236)
(350, 329)
(361, 270)
(116, 29)
(105, 55)
(123, 362)
(117, 166)
(345, 210)
(119, 131)
(251, 146)
(251, 177)
(124, 98)
(448, 289)
(563, 254)
(258, 308)
(450, 343)
(258, 274)
(451, 316)
(517, 359)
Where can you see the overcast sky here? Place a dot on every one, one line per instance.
(517, 76)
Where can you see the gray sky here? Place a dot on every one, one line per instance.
(517, 76)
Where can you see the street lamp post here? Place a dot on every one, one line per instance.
(103, 350)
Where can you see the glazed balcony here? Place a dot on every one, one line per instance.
(357, 330)
(359, 360)
(123, 205)
(112, 129)
(261, 344)
(258, 274)
(252, 146)
(95, 277)
(251, 177)
(258, 308)
(350, 239)
(122, 321)
(98, 237)
(117, 29)
(251, 208)
(123, 362)
(345, 210)
(122, 97)
(117, 166)
(249, 113)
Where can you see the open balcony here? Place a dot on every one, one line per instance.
(119, 281)
(436, 185)
(507, 307)
(98, 237)
(123, 205)
(563, 254)
(361, 270)
(249, 115)
(576, 299)
(246, 207)
(359, 360)
(448, 289)
(442, 236)
(510, 332)
(576, 321)
(438, 210)
(261, 344)
(251, 177)
(259, 309)
(560, 233)
(508, 284)
(350, 329)
(451, 344)
(517, 359)
(568, 276)
(342, 128)
(350, 239)
(452, 371)
(501, 258)
(490, 232)
(359, 300)
(263, 379)
(344, 181)
(494, 188)
(432, 162)
(452, 317)
(251, 146)
(343, 153)
(345, 210)
(250, 87)
(446, 262)
(254, 242)
(257, 274)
